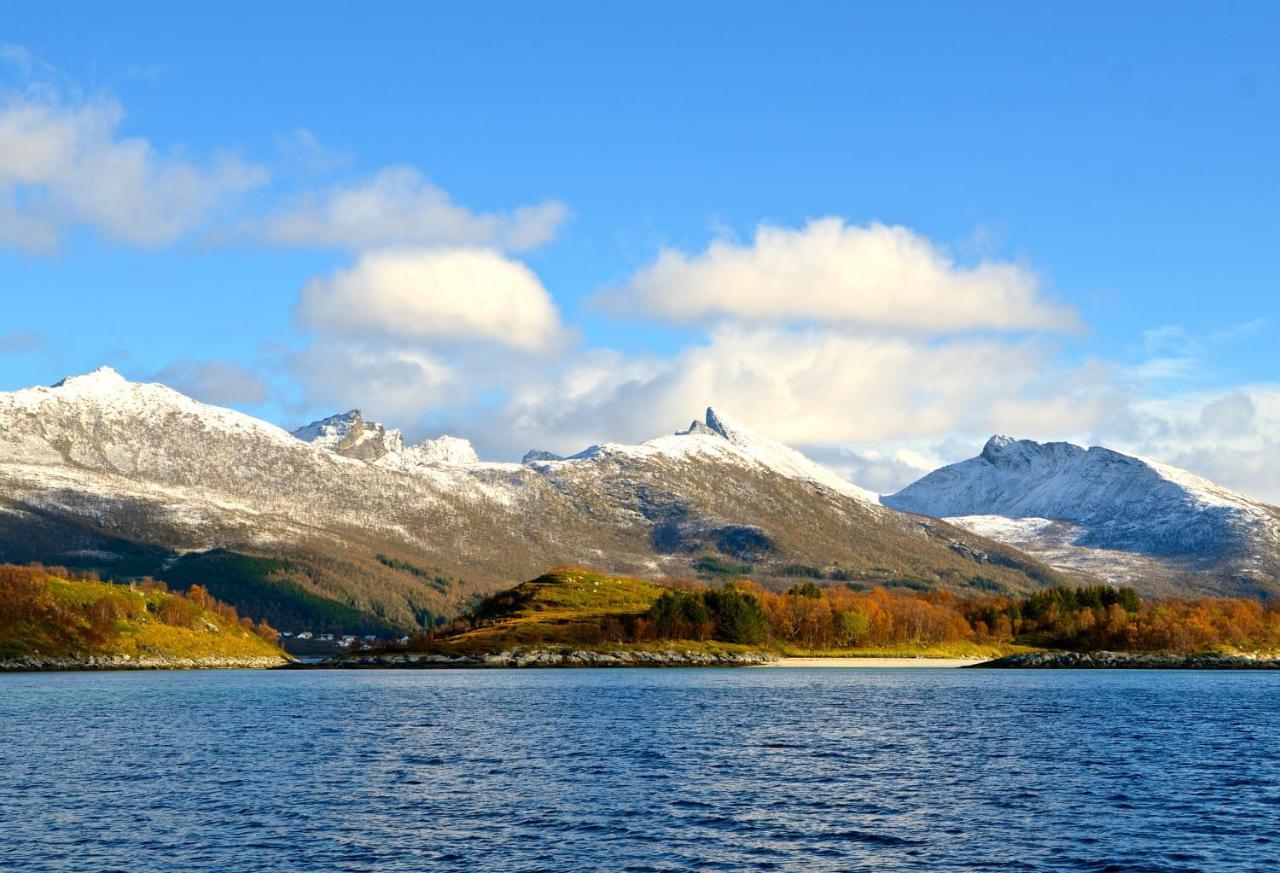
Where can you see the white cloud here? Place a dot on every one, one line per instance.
(883, 472)
(1230, 415)
(217, 381)
(65, 164)
(393, 385)
(816, 388)
(397, 206)
(1228, 436)
(435, 296)
(833, 272)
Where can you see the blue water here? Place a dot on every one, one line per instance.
(555, 770)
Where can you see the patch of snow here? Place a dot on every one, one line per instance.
(1116, 501)
(443, 450)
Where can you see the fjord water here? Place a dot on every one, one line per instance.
(811, 770)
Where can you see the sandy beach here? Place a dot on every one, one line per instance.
(874, 662)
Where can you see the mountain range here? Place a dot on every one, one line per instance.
(343, 525)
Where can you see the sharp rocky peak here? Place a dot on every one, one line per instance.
(719, 423)
(350, 435)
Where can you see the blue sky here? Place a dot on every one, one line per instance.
(1120, 164)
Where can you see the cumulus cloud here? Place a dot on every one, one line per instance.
(883, 471)
(435, 296)
(217, 381)
(1228, 436)
(65, 163)
(816, 387)
(391, 384)
(833, 272)
(398, 206)
(1230, 415)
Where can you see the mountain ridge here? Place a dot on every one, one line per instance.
(1101, 502)
(135, 478)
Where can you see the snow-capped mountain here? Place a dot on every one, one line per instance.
(349, 435)
(341, 518)
(1104, 511)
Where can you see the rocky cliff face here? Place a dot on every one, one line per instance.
(343, 519)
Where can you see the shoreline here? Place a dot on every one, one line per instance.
(1132, 661)
(38, 664)
(854, 662)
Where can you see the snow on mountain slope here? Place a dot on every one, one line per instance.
(444, 450)
(98, 465)
(1112, 501)
(348, 434)
(720, 437)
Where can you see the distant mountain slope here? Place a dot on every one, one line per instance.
(343, 523)
(1113, 514)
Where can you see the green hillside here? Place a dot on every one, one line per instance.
(579, 608)
(45, 615)
(573, 607)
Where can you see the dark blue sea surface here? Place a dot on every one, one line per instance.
(625, 769)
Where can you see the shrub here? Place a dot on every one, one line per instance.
(802, 570)
(711, 565)
(738, 615)
(681, 615)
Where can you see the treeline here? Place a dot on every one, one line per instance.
(817, 618)
(27, 598)
(1089, 618)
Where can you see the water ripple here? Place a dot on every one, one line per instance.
(640, 770)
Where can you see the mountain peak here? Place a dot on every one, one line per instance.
(1002, 448)
(331, 429)
(997, 442)
(102, 378)
(350, 435)
(727, 426)
(444, 450)
(721, 424)
(1116, 501)
(535, 455)
(767, 452)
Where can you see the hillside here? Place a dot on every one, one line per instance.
(579, 609)
(342, 527)
(49, 620)
(1123, 518)
(568, 606)
(586, 610)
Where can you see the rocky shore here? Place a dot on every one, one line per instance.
(36, 664)
(1132, 661)
(542, 658)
